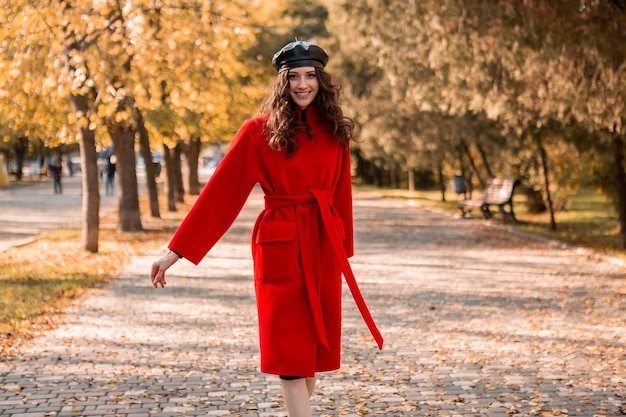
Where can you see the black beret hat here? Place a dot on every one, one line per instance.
(299, 54)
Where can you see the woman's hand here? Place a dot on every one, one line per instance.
(157, 274)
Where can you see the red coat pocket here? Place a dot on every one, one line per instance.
(277, 256)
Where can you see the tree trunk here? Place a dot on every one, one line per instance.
(89, 175)
(21, 149)
(442, 183)
(87, 144)
(193, 155)
(483, 157)
(620, 186)
(169, 173)
(368, 172)
(393, 175)
(411, 178)
(377, 174)
(472, 164)
(146, 154)
(129, 216)
(546, 181)
(179, 185)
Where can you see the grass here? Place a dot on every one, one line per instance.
(41, 278)
(590, 221)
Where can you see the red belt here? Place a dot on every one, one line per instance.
(326, 211)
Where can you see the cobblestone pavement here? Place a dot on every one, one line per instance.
(478, 321)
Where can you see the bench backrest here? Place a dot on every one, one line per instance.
(499, 190)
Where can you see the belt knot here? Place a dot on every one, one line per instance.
(278, 201)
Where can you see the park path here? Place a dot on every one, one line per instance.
(478, 321)
(32, 208)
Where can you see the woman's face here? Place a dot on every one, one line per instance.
(303, 85)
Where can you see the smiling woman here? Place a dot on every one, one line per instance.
(298, 152)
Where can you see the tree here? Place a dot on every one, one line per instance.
(30, 117)
(199, 80)
(102, 57)
(529, 72)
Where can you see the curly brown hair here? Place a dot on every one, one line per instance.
(283, 123)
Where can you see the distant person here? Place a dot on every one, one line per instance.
(298, 151)
(110, 175)
(56, 170)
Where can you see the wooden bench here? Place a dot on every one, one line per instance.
(499, 192)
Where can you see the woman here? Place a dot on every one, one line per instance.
(298, 152)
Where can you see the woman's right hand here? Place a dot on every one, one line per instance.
(157, 274)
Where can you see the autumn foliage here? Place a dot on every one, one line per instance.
(512, 88)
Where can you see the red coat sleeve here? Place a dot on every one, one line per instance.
(342, 200)
(222, 198)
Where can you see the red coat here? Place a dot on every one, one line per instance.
(300, 242)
